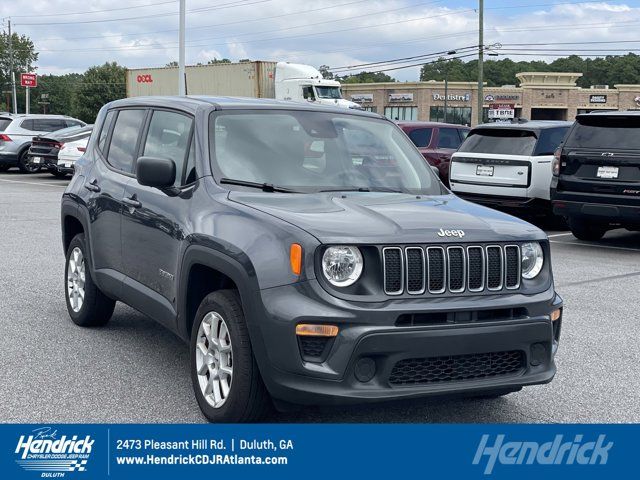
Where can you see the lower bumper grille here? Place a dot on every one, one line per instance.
(452, 368)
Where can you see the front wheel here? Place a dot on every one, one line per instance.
(86, 304)
(583, 230)
(224, 373)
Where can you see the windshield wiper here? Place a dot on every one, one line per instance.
(266, 187)
(361, 189)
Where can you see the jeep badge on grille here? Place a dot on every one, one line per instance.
(451, 233)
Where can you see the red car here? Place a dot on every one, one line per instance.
(436, 141)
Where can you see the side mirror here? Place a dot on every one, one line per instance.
(156, 172)
(435, 170)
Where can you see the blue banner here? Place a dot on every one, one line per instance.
(97, 451)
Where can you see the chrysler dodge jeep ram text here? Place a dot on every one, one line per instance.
(596, 174)
(298, 268)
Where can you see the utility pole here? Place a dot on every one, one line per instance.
(480, 60)
(446, 84)
(12, 74)
(181, 80)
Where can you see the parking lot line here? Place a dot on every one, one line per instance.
(610, 247)
(32, 183)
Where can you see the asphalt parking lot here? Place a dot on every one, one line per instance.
(133, 370)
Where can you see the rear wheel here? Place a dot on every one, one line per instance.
(584, 230)
(86, 304)
(25, 165)
(224, 373)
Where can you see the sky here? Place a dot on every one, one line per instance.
(74, 35)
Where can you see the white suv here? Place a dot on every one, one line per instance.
(16, 132)
(508, 165)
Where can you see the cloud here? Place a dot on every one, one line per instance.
(329, 32)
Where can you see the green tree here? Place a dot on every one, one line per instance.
(325, 72)
(24, 58)
(365, 77)
(58, 91)
(99, 85)
(215, 60)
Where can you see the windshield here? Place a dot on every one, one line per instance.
(602, 132)
(315, 151)
(500, 141)
(328, 92)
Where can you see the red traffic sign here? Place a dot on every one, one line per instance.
(28, 80)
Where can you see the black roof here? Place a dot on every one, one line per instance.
(193, 102)
(531, 125)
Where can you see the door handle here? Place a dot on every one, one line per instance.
(92, 186)
(132, 201)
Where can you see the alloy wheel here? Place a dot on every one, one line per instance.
(76, 279)
(214, 359)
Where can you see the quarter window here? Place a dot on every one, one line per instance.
(105, 131)
(168, 137)
(124, 140)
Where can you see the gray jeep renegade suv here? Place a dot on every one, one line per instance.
(307, 254)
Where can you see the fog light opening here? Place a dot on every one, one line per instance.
(365, 369)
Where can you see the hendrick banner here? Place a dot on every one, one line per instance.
(84, 452)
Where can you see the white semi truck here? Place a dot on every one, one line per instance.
(281, 80)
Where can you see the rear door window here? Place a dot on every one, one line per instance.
(28, 125)
(602, 132)
(549, 140)
(48, 124)
(421, 137)
(124, 140)
(449, 138)
(501, 141)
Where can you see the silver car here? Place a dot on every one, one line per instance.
(16, 132)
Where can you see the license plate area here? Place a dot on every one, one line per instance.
(36, 159)
(484, 170)
(607, 172)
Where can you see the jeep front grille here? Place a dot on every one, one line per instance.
(454, 269)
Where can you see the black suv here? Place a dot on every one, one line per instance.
(298, 268)
(596, 182)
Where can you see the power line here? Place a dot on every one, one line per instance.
(124, 19)
(92, 11)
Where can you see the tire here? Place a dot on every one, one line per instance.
(583, 230)
(95, 308)
(237, 394)
(24, 165)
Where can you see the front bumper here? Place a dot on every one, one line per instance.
(509, 204)
(370, 332)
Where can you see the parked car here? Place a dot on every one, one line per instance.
(296, 269)
(508, 165)
(436, 142)
(16, 132)
(58, 151)
(596, 174)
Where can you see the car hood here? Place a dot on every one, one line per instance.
(389, 218)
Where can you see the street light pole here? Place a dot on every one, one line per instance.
(480, 60)
(12, 74)
(446, 84)
(182, 90)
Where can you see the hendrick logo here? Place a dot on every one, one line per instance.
(51, 454)
(450, 233)
(556, 452)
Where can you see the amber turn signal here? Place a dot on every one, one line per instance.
(295, 258)
(310, 330)
(555, 315)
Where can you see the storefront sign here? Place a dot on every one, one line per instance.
(453, 97)
(401, 97)
(597, 99)
(501, 111)
(362, 97)
(502, 97)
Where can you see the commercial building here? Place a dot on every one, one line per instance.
(539, 96)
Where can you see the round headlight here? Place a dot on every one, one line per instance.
(532, 259)
(342, 265)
